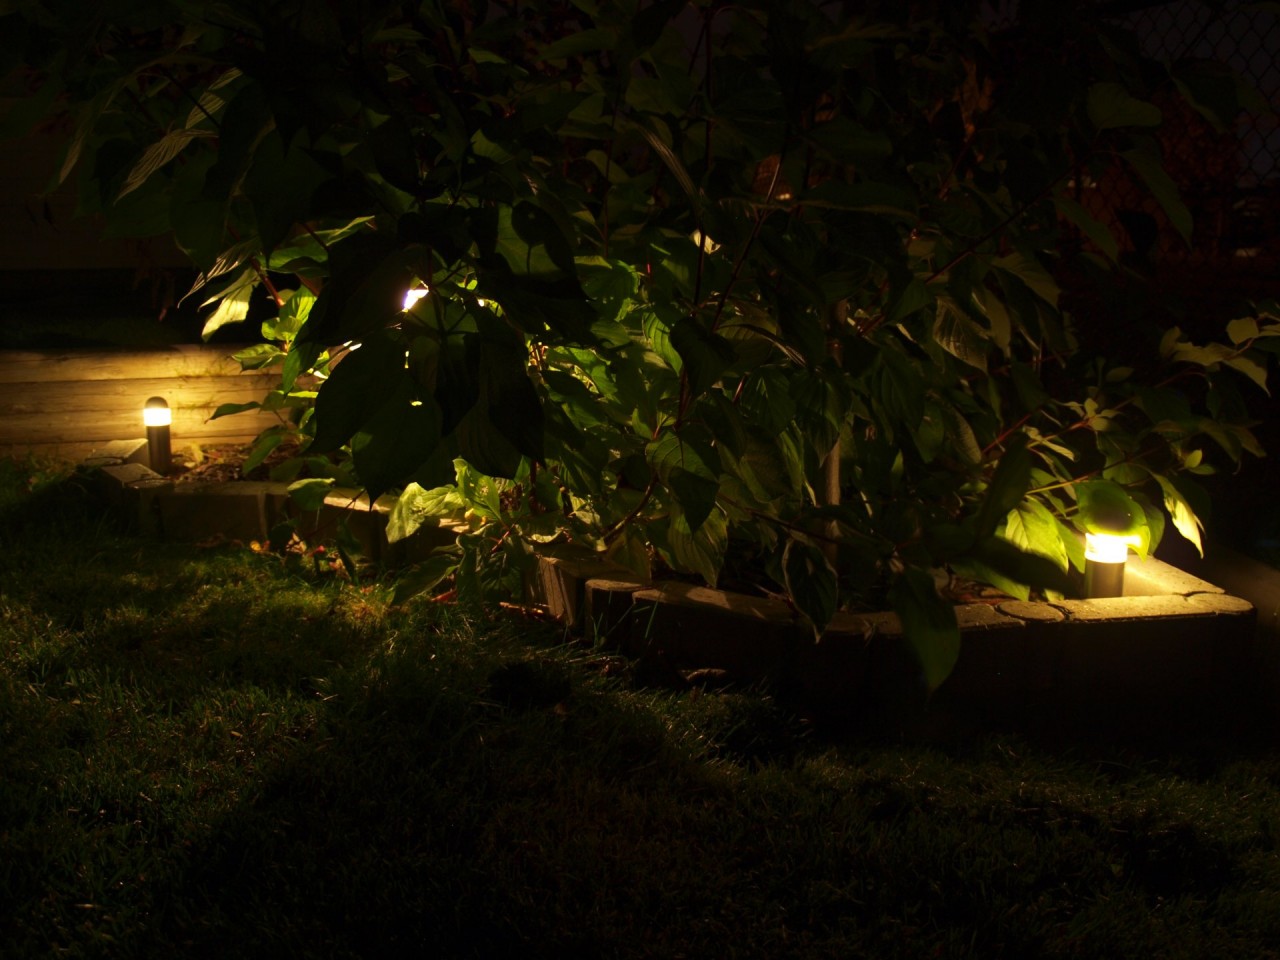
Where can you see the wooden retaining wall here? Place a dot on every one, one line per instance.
(67, 402)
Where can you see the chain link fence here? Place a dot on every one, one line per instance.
(1230, 179)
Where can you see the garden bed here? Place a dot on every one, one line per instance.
(1175, 649)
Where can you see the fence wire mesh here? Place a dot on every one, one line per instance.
(1230, 179)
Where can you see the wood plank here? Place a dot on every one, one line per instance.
(75, 400)
(180, 360)
(198, 393)
(26, 429)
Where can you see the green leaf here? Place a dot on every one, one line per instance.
(1031, 272)
(416, 507)
(399, 438)
(298, 361)
(850, 142)
(1145, 162)
(699, 550)
(234, 305)
(1022, 566)
(1242, 329)
(960, 336)
(534, 304)
(902, 389)
(423, 576)
(576, 44)
(690, 469)
(822, 401)
(309, 494)
(261, 450)
(365, 292)
(1111, 105)
(929, 623)
(199, 224)
(695, 494)
(974, 569)
(536, 226)
(997, 314)
(356, 390)
(1026, 381)
(1008, 486)
(1154, 531)
(513, 405)
(1097, 233)
(704, 355)
(1033, 528)
(291, 316)
(867, 196)
(227, 409)
(484, 446)
(258, 356)
(157, 155)
(811, 583)
(1184, 517)
(909, 299)
(961, 435)
(480, 492)
(1251, 368)
(1105, 507)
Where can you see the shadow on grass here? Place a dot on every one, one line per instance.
(208, 754)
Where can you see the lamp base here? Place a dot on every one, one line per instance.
(159, 452)
(1103, 579)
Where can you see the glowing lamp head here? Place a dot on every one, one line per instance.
(1109, 547)
(413, 296)
(156, 413)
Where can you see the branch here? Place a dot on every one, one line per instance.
(644, 502)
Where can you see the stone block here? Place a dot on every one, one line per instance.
(831, 673)
(364, 520)
(116, 452)
(147, 492)
(1152, 577)
(690, 626)
(558, 582)
(1031, 612)
(113, 482)
(606, 609)
(236, 510)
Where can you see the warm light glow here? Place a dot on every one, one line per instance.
(413, 296)
(156, 413)
(1108, 547)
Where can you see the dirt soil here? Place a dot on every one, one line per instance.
(224, 462)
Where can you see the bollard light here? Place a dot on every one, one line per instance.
(1104, 558)
(156, 417)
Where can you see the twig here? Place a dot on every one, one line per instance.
(644, 502)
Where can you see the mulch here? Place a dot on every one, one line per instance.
(225, 462)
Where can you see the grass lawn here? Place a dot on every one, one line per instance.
(217, 753)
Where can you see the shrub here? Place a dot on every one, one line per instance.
(767, 277)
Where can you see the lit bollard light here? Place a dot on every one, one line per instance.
(1104, 558)
(156, 417)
